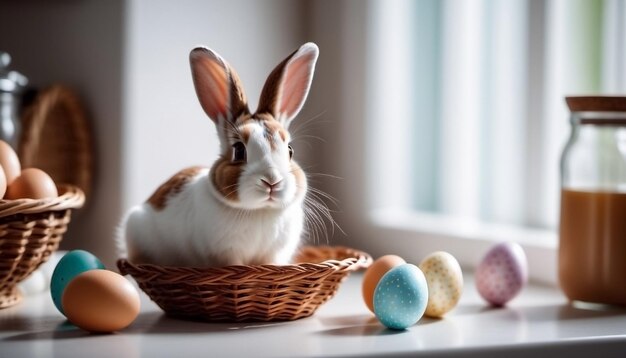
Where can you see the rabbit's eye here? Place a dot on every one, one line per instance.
(290, 151)
(239, 152)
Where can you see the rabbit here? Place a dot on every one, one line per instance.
(248, 208)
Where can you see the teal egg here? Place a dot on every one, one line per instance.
(71, 265)
(401, 296)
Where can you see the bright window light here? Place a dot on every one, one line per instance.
(466, 118)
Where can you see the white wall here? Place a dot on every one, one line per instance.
(333, 147)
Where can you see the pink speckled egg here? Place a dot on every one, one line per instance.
(502, 273)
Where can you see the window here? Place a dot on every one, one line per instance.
(467, 117)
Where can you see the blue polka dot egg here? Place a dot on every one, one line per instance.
(401, 296)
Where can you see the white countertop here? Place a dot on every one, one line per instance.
(539, 322)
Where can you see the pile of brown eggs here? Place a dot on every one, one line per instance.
(16, 183)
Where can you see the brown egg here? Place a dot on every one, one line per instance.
(374, 273)
(9, 162)
(100, 301)
(3, 183)
(32, 183)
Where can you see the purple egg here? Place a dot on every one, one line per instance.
(502, 273)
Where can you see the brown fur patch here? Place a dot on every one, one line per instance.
(245, 133)
(239, 130)
(273, 126)
(241, 120)
(238, 100)
(173, 186)
(271, 89)
(263, 117)
(225, 175)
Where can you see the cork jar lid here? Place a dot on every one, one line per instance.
(596, 103)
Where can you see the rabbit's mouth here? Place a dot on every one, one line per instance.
(272, 192)
(273, 199)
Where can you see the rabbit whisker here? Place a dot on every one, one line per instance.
(321, 194)
(300, 138)
(317, 214)
(323, 175)
(305, 124)
(233, 191)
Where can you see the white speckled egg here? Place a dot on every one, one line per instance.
(502, 273)
(401, 296)
(445, 282)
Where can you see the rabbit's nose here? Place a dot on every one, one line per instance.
(272, 185)
(272, 176)
(272, 180)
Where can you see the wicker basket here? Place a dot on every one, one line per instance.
(30, 230)
(249, 293)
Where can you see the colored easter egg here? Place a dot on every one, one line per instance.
(445, 282)
(401, 296)
(502, 273)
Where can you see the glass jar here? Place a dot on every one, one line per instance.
(592, 242)
(12, 85)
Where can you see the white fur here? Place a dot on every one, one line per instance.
(199, 227)
(195, 228)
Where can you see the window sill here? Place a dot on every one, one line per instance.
(539, 322)
(417, 234)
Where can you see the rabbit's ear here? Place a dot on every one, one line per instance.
(217, 85)
(288, 85)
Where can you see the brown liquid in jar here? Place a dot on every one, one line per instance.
(592, 251)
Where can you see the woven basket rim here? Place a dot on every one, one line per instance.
(357, 260)
(249, 293)
(71, 197)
